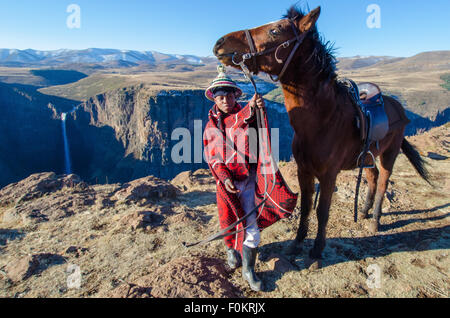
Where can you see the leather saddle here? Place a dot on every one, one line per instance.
(371, 118)
(372, 121)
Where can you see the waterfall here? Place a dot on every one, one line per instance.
(67, 163)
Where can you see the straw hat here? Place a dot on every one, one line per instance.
(222, 80)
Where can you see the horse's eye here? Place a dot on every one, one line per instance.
(274, 32)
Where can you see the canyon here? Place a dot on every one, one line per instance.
(119, 122)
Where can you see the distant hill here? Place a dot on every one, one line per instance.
(59, 77)
(436, 60)
(106, 57)
(113, 58)
(426, 61)
(421, 61)
(350, 63)
(419, 82)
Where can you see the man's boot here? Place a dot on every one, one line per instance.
(248, 268)
(233, 258)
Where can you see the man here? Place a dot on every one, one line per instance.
(241, 173)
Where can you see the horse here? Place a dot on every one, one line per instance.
(322, 114)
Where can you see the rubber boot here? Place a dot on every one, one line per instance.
(248, 268)
(233, 259)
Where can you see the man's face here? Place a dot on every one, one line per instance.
(226, 103)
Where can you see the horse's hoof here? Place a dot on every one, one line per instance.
(313, 263)
(295, 248)
(373, 227)
(365, 215)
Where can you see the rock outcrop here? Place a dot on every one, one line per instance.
(44, 197)
(146, 188)
(21, 269)
(193, 277)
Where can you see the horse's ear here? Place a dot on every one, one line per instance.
(309, 21)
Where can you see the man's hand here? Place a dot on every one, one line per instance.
(257, 101)
(229, 186)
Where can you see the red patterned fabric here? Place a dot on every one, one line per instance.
(229, 154)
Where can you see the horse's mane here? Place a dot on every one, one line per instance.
(322, 62)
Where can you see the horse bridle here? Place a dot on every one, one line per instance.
(299, 38)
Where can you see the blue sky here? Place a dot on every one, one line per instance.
(408, 27)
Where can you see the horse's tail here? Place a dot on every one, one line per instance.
(416, 160)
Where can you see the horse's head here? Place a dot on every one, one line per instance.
(270, 47)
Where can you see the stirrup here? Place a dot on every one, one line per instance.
(373, 160)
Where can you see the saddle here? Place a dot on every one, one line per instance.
(371, 119)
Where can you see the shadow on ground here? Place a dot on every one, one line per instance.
(10, 235)
(341, 250)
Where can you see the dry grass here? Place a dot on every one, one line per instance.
(158, 80)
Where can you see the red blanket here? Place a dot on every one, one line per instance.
(229, 153)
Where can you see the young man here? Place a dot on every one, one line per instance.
(242, 173)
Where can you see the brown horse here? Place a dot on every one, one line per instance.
(321, 112)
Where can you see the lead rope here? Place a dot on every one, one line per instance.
(261, 126)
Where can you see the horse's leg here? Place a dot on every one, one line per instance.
(387, 160)
(327, 186)
(372, 179)
(306, 181)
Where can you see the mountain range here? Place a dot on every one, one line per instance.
(29, 57)
(115, 58)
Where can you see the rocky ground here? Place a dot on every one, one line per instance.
(61, 237)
